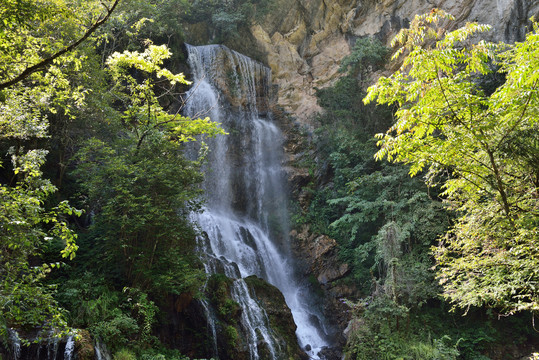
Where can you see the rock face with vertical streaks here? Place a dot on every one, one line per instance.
(304, 41)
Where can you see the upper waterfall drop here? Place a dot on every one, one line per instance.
(246, 215)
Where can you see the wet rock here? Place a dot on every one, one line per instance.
(298, 179)
(279, 316)
(320, 253)
(184, 326)
(321, 262)
(330, 354)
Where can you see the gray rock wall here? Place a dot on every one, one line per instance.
(304, 41)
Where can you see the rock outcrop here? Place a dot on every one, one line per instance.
(320, 254)
(304, 41)
(279, 316)
(189, 331)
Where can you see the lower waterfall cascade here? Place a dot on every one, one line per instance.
(50, 347)
(245, 217)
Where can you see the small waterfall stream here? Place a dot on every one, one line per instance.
(70, 348)
(245, 218)
(50, 347)
(15, 344)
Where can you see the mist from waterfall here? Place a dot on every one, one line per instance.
(246, 217)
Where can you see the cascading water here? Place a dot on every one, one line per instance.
(245, 218)
(101, 352)
(40, 346)
(15, 344)
(70, 348)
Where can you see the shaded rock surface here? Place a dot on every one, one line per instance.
(184, 326)
(188, 326)
(230, 339)
(322, 263)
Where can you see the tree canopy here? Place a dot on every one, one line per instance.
(51, 84)
(481, 145)
(38, 43)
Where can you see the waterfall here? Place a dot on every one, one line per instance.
(246, 218)
(52, 346)
(15, 344)
(70, 348)
(211, 325)
(41, 345)
(101, 352)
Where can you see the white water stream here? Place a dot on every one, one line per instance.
(246, 216)
(47, 348)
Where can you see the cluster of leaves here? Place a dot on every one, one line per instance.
(430, 332)
(135, 21)
(123, 318)
(388, 344)
(27, 225)
(481, 147)
(367, 55)
(37, 41)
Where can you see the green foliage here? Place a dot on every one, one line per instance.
(374, 338)
(138, 20)
(428, 333)
(135, 181)
(124, 354)
(28, 49)
(232, 336)
(384, 221)
(121, 319)
(162, 354)
(144, 113)
(35, 62)
(141, 227)
(142, 201)
(448, 125)
(88, 299)
(219, 290)
(117, 329)
(366, 53)
(228, 308)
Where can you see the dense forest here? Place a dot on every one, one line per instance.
(423, 167)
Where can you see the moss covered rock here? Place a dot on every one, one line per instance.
(279, 315)
(84, 347)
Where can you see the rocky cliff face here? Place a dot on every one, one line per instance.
(304, 41)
